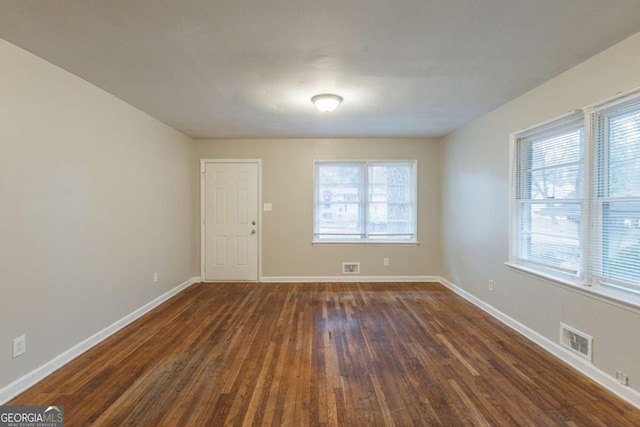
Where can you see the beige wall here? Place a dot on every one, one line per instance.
(287, 183)
(475, 213)
(95, 197)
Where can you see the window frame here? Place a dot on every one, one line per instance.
(592, 234)
(364, 204)
(519, 163)
(600, 188)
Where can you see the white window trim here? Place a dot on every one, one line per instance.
(365, 243)
(369, 242)
(591, 115)
(626, 298)
(513, 212)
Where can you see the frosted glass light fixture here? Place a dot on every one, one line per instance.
(326, 102)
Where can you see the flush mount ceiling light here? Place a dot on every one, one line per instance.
(326, 102)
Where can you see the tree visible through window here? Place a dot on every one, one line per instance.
(562, 224)
(615, 256)
(365, 201)
(549, 196)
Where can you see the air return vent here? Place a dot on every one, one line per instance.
(576, 341)
(350, 268)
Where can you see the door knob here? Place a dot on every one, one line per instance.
(253, 231)
(253, 223)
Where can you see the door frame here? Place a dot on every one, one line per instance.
(203, 163)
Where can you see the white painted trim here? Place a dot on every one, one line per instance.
(628, 394)
(587, 368)
(364, 243)
(202, 242)
(364, 185)
(203, 162)
(350, 278)
(21, 384)
(512, 192)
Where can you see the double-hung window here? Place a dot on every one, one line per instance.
(548, 204)
(614, 208)
(373, 201)
(575, 206)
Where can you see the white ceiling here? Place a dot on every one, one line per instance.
(247, 68)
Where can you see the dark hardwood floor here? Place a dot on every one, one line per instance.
(404, 354)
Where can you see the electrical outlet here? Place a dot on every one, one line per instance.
(622, 378)
(19, 346)
(385, 262)
(155, 276)
(490, 285)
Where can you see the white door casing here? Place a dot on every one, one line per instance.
(230, 228)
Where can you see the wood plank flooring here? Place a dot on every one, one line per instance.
(358, 354)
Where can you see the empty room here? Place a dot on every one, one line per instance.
(339, 213)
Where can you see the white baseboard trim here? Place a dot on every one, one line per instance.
(587, 368)
(21, 384)
(349, 278)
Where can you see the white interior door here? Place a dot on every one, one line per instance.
(230, 221)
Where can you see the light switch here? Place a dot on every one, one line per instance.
(267, 207)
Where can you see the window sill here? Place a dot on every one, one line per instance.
(362, 243)
(627, 300)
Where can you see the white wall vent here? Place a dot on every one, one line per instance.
(576, 341)
(350, 268)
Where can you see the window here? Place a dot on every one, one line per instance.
(548, 204)
(575, 210)
(365, 201)
(614, 252)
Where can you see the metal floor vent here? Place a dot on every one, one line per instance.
(350, 268)
(576, 341)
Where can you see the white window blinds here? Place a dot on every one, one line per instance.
(614, 207)
(575, 205)
(365, 201)
(547, 207)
